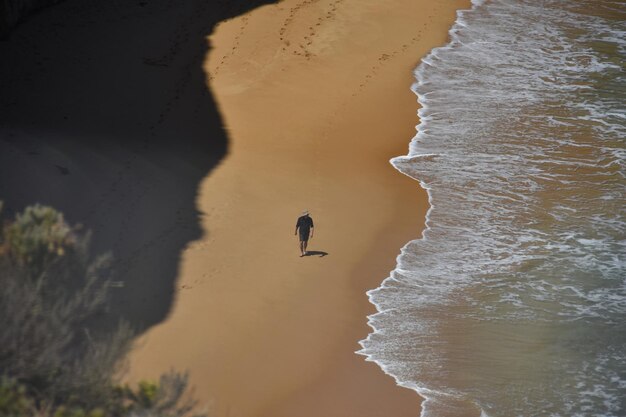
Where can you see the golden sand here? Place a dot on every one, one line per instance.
(315, 97)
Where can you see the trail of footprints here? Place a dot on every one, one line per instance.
(135, 192)
(180, 35)
(302, 48)
(225, 58)
(382, 60)
(295, 47)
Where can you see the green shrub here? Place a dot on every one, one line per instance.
(149, 399)
(51, 289)
(14, 400)
(38, 237)
(53, 363)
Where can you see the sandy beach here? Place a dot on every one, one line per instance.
(184, 138)
(188, 138)
(315, 100)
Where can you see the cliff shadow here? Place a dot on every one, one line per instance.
(105, 114)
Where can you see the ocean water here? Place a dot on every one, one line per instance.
(513, 302)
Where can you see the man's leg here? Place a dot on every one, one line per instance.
(306, 242)
(302, 246)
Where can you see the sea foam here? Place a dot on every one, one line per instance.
(513, 301)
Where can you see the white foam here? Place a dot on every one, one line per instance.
(489, 243)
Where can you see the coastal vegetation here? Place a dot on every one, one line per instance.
(56, 357)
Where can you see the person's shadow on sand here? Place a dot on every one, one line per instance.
(319, 253)
(105, 114)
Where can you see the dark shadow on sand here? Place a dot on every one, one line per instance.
(105, 115)
(319, 253)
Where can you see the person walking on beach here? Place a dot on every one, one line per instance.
(304, 225)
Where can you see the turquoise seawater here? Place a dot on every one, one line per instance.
(513, 302)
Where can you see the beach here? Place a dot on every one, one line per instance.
(188, 138)
(182, 140)
(315, 100)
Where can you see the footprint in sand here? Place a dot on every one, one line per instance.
(226, 57)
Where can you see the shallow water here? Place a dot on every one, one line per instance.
(514, 301)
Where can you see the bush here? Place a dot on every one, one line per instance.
(149, 399)
(13, 399)
(53, 363)
(51, 290)
(37, 237)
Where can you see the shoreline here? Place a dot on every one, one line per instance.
(246, 320)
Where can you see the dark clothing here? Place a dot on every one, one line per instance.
(304, 226)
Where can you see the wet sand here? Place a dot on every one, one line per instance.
(315, 100)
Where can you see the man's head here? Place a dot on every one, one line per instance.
(305, 213)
